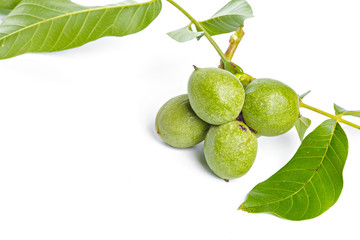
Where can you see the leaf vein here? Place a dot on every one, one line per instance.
(61, 33)
(79, 32)
(317, 195)
(132, 19)
(308, 203)
(40, 6)
(290, 207)
(47, 35)
(145, 15)
(97, 24)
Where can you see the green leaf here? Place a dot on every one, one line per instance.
(47, 26)
(4, 12)
(9, 4)
(310, 183)
(227, 19)
(305, 94)
(184, 34)
(301, 125)
(339, 110)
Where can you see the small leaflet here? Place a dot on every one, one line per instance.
(301, 125)
(339, 110)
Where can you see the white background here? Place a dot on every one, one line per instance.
(80, 159)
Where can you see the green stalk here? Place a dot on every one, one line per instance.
(234, 43)
(199, 26)
(337, 118)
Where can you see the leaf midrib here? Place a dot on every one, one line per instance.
(307, 182)
(69, 14)
(303, 121)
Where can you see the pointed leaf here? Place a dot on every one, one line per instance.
(339, 110)
(184, 34)
(305, 94)
(9, 4)
(301, 125)
(47, 26)
(310, 183)
(227, 19)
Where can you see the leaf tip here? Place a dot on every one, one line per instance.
(304, 94)
(338, 109)
(243, 208)
(248, 210)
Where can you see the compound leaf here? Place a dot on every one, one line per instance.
(47, 26)
(310, 183)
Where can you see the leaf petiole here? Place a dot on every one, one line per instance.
(338, 118)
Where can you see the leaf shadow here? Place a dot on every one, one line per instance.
(198, 150)
(152, 132)
(200, 156)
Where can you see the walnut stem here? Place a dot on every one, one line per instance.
(234, 43)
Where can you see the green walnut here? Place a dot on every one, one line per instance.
(230, 149)
(271, 107)
(216, 95)
(178, 125)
